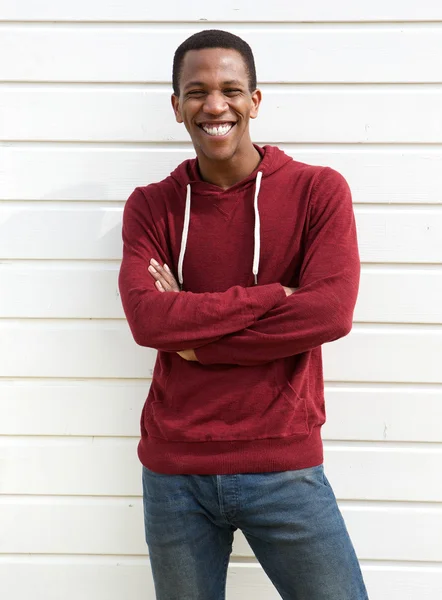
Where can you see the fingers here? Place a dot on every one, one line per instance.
(164, 279)
(188, 355)
(289, 291)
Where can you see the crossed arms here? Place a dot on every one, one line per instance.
(245, 326)
(166, 282)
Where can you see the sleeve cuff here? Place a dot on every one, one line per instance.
(209, 354)
(263, 298)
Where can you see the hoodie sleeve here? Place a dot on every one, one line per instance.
(173, 321)
(321, 310)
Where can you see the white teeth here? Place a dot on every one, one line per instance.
(217, 129)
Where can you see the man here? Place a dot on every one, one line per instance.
(265, 252)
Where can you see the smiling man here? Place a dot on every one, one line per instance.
(237, 268)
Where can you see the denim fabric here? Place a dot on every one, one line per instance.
(290, 519)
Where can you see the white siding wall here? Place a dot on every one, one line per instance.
(84, 118)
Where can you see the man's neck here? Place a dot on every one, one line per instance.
(227, 173)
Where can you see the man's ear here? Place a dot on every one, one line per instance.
(176, 108)
(256, 101)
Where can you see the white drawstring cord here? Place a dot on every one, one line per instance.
(257, 235)
(184, 236)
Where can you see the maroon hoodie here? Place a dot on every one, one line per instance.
(255, 400)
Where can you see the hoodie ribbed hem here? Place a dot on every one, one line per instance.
(227, 458)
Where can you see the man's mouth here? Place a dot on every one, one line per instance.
(216, 129)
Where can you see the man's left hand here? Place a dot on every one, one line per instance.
(188, 355)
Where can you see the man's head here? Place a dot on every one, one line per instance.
(215, 94)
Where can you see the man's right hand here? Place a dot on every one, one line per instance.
(288, 290)
(164, 279)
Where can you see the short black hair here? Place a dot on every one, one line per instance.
(213, 38)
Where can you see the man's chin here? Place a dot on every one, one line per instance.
(217, 154)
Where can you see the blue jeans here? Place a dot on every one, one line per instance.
(290, 519)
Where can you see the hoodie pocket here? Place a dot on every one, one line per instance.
(226, 403)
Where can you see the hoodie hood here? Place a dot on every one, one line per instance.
(272, 159)
(187, 176)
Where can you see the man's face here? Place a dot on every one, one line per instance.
(215, 103)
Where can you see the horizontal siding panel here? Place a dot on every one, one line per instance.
(398, 415)
(67, 291)
(386, 234)
(410, 235)
(35, 407)
(118, 54)
(390, 354)
(84, 578)
(72, 349)
(80, 349)
(335, 114)
(58, 291)
(230, 10)
(116, 579)
(390, 175)
(403, 583)
(384, 473)
(113, 408)
(381, 533)
(91, 467)
(62, 527)
(109, 467)
(54, 232)
(399, 296)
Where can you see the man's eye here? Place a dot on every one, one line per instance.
(194, 93)
(232, 92)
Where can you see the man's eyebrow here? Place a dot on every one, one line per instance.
(201, 84)
(192, 83)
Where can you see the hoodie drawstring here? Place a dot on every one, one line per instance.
(257, 232)
(184, 236)
(257, 235)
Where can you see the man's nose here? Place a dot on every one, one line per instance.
(215, 103)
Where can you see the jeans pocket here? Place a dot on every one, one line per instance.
(315, 475)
